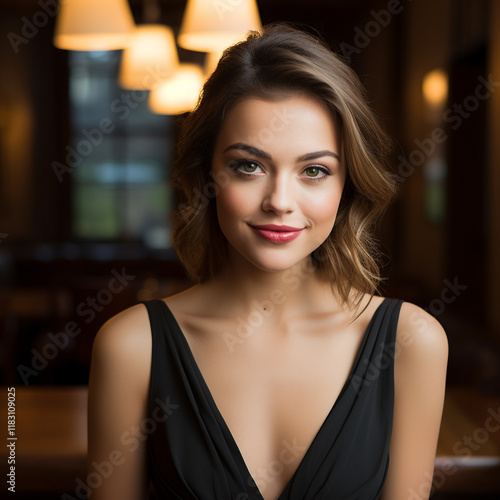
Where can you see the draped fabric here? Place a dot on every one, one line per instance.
(193, 456)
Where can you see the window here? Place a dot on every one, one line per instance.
(123, 154)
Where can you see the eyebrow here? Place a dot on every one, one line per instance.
(262, 154)
(318, 154)
(249, 149)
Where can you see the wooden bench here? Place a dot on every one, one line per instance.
(51, 427)
(468, 452)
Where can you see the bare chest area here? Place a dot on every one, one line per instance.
(274, 391)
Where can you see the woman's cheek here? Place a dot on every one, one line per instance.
(240, 196)
(322, 207)
(232, 200)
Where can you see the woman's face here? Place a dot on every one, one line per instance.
(279, 176)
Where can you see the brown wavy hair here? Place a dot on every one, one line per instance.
(277, 61)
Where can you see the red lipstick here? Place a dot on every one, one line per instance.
(277, 234)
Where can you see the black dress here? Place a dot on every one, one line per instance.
(193, 456)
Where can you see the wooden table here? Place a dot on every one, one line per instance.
(51, 428)
(51, 431)
(468, 453)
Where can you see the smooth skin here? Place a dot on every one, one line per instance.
(275, 162)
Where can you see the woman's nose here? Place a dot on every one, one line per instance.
(279, 196)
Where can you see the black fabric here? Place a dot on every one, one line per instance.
(192, 454)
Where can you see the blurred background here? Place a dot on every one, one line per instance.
(85, 159)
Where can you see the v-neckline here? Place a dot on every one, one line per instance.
(222, 422)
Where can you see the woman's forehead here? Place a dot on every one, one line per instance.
(296, 122)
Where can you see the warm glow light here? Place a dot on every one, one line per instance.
(93, 25)
(179, 93)
(150, 57)
(435, 87)
(211, 61)
(210, 26)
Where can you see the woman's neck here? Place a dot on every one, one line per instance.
(244, 289)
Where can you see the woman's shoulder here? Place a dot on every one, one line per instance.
(415, 326)
(420, 338)
(125, 338)
(421, 342)
(419, 328)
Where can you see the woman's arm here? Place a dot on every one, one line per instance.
(420, 373)
(118, 391)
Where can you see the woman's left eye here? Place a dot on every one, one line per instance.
(316, 172)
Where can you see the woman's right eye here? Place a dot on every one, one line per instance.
(245, 166)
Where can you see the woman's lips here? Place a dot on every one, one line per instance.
(277, 234)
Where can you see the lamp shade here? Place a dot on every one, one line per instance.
(210, 26)
(150, 57)
(179, 93)
(93, 25)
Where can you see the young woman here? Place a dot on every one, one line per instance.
(281, 374)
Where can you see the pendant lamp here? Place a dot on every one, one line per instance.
(150, 57)
(93, 25)
(210, 26)
(179, 93)
(435, 87)
(211, 61)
